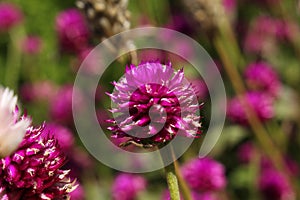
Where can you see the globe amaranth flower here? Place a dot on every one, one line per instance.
(260, 103)
(32, 45)
(38, 91)
(246, 152)
(204, 174)
(263, 34)
(127, 186)
(153, 104)
(61, 105)
(33, 171)
(12, 126)
(10, 16)
(274, 185)
(72, 30)
(261, 76)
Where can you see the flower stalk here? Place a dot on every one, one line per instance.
(14, 56)
(172, 182)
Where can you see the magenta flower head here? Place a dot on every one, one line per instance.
(32, 45)
(246, 152)
(260, 103)
(10, 16)
(33, 171)
(261, 76)
(263, 34)
(72, 30)
(127, 186)
(273, 185)
(38, 91)
(230, 6)
(61, 105)
(204, 174)
(153, 104)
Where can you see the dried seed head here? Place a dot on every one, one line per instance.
(207, 13)
(106, 17)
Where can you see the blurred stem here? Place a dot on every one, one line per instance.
(279, 135)
(257, 127)
(14, 56)
(173, 176)
(254, 169)
(294, 33)
(172, 182)
(230, 42)
(186, 193)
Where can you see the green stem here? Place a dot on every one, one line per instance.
(14, 56)
(256, 125)
(172, 182)
(171, 171)
(186, 193)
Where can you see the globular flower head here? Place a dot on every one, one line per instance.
(12, 127)
(33, 171)
(246, 152)
(61, 105)
(32, 45)
(127, 186)
(263, 34)
(274, 185)
(260, 103)
(229, 5)
(10, 15)
(204, 174)
(38, 91)
(72, 30)
(154, 104)
(261, 76)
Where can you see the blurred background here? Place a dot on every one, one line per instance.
(255, 44)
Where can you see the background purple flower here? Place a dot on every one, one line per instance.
(274, 185)
(38, 91)
(61, 105)
(263, 34)
(260, 103)
(263, 77)
(127, 186)
(10, 15)
(204, 174)
(72, 30)
(32, 45)
(246, 152)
